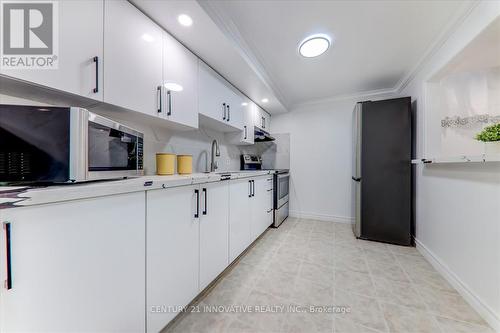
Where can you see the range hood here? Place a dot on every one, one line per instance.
(261, 135)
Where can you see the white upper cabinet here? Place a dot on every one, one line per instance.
(80, 52)
(218, 104)
(133, 53)
(246, 136)
(235, 110)
(180, 83)
(248, 125)
(262, 119)
(214, 231)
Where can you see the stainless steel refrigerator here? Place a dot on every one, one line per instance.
(382, 178)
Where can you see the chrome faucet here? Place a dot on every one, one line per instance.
(213, 165)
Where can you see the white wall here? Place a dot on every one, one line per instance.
(458, 206)
(320, 159)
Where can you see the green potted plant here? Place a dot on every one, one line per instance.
(490, 135)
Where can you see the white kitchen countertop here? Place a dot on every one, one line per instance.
(27, 196)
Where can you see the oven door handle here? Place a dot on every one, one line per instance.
(8, 252)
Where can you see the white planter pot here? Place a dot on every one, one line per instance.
(492, 148)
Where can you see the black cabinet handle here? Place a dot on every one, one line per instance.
(158, 100)
(169, 102)
(245, 127)
(205, 210)
(96, 61)
(356, 179)
(197, 214)
(228, 113)
(253, 188)
(8, 282)
(224, 111)
(250, 189)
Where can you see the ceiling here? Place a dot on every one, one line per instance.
(254, 44)
(207, 41)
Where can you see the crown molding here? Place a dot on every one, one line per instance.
(378, 93)
(230, 30)
(232, 33)
(436, 45)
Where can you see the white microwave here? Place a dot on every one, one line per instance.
(65, 145)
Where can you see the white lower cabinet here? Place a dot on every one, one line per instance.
(75, 266)
(240, 217)
(172, 266)
(125, 263)
(214, 231)
(250, 212)
(187, 246)
(261, 206)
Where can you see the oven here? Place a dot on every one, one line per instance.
(65, 145)
(281, 195)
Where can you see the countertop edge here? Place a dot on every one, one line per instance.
(31, 196)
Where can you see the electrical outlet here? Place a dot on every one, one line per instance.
(228, 161)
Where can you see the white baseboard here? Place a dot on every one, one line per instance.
(474, 301)
(321, 217)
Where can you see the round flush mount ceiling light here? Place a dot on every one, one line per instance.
(244, 104)
(185, 20)
(173, 86)
(314, 45)
(265, 100)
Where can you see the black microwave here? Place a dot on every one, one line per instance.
(65, 145)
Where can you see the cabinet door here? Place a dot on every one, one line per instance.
(261, 118)
(260, 206)
(248, 126)
(214, 231)
(80, 40)
(246, 135)
(180, 79)
(218, 104)
(76, 266)
(211, 101)
(266, 118)
(172, 253)
(235, 110)
(269, 201)
(133, 53)
(240, 216)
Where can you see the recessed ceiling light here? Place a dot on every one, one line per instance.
(147, 38)
(265, 100)
(314, 45)
(244, 104)
(173, 86)
(185, 20)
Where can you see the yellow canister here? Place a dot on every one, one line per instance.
(165, 164)
(184, 164)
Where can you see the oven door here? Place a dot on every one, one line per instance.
(114, 151)
(282, 189)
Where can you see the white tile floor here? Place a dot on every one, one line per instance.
(385, 288)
